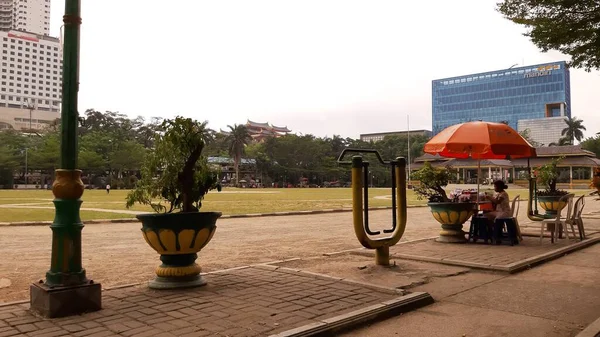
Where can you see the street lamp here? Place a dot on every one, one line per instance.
(66, 290)
(31, 106)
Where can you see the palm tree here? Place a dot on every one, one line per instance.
(574, 129)
(561, 142)
(237, 140)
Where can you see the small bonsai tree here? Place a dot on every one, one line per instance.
(547, 175)
(432, 183)
(174, 171)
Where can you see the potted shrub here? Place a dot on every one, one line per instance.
(549, 197)
(596, 180)
(176, 174)
(450, 214)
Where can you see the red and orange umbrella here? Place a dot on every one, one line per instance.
(480, 140)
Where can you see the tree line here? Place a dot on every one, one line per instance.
(112, 148)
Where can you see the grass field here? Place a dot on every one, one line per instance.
(36, 205)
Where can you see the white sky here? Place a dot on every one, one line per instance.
(317, 66)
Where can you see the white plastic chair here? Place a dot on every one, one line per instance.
(554, 225)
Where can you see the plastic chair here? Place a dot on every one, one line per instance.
(512, 224)
(554, 225)
(575, 219)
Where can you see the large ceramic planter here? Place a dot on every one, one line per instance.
(596, 179)
(452, 216)
(178, 237)
(551, 204)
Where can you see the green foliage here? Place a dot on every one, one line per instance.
(574, 130)
(569, 26)
(592, 144)
(175, 171)
(547, 175)
(526, 134)
(563, 141)
(236, 142)
(432, 182)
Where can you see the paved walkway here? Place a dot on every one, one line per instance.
(556, 299)
(244, 302)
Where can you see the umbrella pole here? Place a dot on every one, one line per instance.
(478, 178)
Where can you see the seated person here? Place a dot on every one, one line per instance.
(501, 202)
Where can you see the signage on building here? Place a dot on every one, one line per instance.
(24, 37)
(538, 73)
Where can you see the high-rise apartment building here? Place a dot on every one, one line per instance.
(523, 93)
(30, 67)
(31, 16)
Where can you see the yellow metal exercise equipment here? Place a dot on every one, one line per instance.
(360, 204)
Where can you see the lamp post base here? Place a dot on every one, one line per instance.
(65, 301)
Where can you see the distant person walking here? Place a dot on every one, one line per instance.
(107, 189)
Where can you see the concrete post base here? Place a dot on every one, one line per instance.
(65, 301)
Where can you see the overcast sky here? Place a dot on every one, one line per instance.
(317, 66)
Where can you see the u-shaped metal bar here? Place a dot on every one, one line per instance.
(360, 205)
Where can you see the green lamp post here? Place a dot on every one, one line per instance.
(66, 290)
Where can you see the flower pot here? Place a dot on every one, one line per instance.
(596, 179)
(178, 237)
(551, 204)
(452, 216)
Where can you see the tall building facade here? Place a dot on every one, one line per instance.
(30, 68)
(509, 95)
(25, 15)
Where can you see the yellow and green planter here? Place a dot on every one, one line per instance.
(551, 204)
(452, 216)
(178, 237)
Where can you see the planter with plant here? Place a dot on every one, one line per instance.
(176, 174)
(596, 180)
(547, 175)
(451, 214)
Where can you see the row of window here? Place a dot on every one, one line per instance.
(26, 86)
(33, 56)
(27, 92)
(35, 63)
(27, 43)
(499, 102)
(30, 49)
(27, 79)
(497, 85)
(42, 121)
(32, 100)
(496, 74)
(41, 64)
(40, 74)
(555, 88)
(530, 110)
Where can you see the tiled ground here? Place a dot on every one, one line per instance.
(478, 254)
(245, 302)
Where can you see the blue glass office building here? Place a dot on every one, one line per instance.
(509, 95)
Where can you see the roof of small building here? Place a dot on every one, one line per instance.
(475, 162)
(567, 150)
(227, 160)
(258, 125)
(281, 129)
(567, 161)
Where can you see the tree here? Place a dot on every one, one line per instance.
(237, 140)
(574, 129)
(569, 26)
(592, 144)
(527, 136)
(561, 142)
